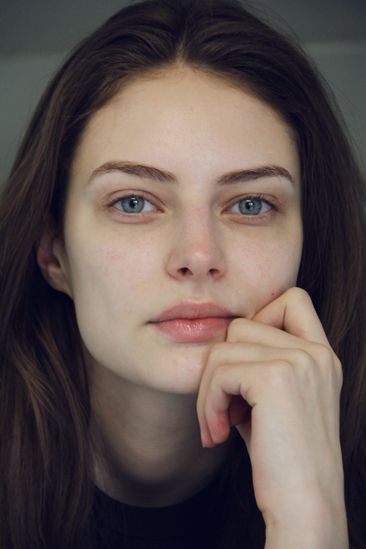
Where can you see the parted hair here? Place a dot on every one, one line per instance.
(45, 446)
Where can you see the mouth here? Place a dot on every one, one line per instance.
(193, 330)
(193, 322)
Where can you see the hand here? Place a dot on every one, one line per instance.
(277, 380)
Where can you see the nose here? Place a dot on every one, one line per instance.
(197, 251)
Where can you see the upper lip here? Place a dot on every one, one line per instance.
(193, 310)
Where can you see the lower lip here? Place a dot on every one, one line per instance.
(186, 330)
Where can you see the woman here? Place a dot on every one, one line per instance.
(182, 265)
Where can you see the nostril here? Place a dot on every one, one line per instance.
(185, 271)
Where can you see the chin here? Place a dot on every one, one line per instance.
(180, 372)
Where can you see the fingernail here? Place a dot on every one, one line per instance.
(206, 440)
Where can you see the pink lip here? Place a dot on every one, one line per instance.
(193, 322)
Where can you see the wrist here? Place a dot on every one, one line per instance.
(307, 527)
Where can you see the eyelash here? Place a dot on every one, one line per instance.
(252, 197)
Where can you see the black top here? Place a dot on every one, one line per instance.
(223, 515)
(194, 523)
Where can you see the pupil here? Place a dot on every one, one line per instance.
(133, 204)
(248, 205)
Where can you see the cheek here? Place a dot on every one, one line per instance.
(111, 283)
(112, 272)
(269, 268)
(280, 264)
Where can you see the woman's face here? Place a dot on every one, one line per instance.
(182, 237)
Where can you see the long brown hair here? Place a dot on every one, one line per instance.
(45, 487)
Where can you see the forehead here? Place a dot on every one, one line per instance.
(181, 113)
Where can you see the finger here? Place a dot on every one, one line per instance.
(247, 351)
(216, 401)
(294, 313)
(242, 330)
(227, 383)
(268, 343)
(224, 354)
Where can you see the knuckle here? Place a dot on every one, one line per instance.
(329, 365)
(303, 358)
(281, 374)
(338, 368)
(325, 354)
(299, 294)
(235, 327)
(217, 353)
(219, 375)
(327, 357)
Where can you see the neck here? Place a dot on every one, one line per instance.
(148, 447)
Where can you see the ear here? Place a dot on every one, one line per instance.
(52, 261)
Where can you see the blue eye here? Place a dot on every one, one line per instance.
(253, 205)
(133, 204)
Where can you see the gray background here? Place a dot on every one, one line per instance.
(35, 35)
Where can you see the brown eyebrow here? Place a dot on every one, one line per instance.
(155, 174)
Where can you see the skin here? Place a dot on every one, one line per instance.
(272, 375)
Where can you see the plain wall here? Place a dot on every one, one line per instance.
(23, 77)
